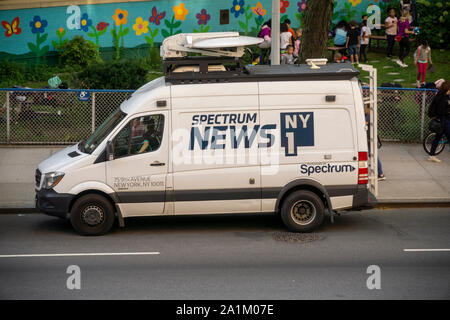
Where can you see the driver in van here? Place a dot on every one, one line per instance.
(151, 140)
(137, 128)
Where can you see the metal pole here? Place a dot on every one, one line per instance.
(93, 112)
(8, 119)
(422, 115)
(375, 128)
(275, 33)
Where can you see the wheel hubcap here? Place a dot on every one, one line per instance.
(93, 215)
(303, 212)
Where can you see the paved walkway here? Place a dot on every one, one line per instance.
(410, 178)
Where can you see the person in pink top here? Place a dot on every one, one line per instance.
(391, 31)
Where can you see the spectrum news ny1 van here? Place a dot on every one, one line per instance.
(212, 138)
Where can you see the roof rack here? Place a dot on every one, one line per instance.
(220, 61)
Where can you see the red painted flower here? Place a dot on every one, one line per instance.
(283, 5)
(102, 25)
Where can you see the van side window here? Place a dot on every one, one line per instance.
(140, 135)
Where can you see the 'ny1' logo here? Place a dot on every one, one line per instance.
(297, 130)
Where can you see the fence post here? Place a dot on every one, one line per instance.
(93, 113)
(422, 115)
(8, 119)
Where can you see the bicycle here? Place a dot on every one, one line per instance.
(429, 139)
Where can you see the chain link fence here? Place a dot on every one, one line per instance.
(402, 113)
(68, 116)
(54, 116)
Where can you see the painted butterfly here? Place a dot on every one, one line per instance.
(156, 18)
(12, 28)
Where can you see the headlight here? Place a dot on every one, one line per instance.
(51, 179)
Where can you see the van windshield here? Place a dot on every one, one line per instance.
(89, 145)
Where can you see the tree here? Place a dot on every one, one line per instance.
(317, 21)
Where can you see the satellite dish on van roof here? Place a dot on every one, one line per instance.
(215, 44)
(226, 42)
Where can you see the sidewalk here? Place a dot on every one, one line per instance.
(410, 178)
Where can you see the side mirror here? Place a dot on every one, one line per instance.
(109, 151)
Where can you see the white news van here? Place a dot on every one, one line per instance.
(287, 139)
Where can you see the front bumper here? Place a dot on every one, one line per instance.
(50, 202)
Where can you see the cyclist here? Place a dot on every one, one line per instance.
(442, 113)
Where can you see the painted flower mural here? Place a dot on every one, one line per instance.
(354, 2)
(12, 28)
(238, 7)
(284, 4)
(140, 26)
(38, 26)
(102, 26)
(260, 12)
(202, 19)
(58, 46)
(85, 22)
(156, 17)
(301, 7)
(120, 17)
(180, 13)
(98, 31)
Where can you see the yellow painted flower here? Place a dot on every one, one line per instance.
(140, 26)
(120, 17)
(180, 11)
(354, 2)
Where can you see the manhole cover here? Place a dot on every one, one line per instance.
(295, 237)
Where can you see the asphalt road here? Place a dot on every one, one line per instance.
(231, 257)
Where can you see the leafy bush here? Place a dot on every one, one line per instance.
(433, 21)
(80, 52)
(123, 74)
(11, 73)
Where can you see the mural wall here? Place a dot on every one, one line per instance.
(38, 32)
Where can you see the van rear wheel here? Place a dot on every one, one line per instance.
(92, 215)
(302, 211)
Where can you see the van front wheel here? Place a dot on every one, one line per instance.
(92, 215)
(302, 211)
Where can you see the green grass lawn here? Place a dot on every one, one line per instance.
(386, 66)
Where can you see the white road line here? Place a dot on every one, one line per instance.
(425, 250)
(78, 254)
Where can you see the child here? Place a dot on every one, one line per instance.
(403, 34)
(353, 41)
(365, 35)
(298, 36)
(339, 58)
(288, 57)
(285, 37)
(421, 58)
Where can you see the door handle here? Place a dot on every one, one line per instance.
(157, 164)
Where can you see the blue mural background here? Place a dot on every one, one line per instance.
(40, 30)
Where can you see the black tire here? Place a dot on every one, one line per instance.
(427, 144)
(307, 221)
(92, 215)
